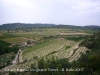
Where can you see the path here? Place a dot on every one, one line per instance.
(20, 57)
(16, 57)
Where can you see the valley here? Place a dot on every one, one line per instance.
(43, 43)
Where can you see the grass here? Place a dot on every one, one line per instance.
(68, 47)
(11, 38)
(4, 36)
(38, 46)
(15, 39)
(75, 38)
(45, 31)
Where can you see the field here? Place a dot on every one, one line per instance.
(51, 49)
(46, 43)
(46, 48)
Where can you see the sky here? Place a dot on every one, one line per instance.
(67, 12)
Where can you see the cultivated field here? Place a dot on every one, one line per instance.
(58, 45)
(55, 47)
(46, 48)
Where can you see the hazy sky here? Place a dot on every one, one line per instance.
(72, 12)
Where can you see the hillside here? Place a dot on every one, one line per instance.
(91, 60)
(92, 42)
(26, 25)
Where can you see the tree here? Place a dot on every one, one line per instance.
(12, 73)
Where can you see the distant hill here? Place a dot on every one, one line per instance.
(25, 25)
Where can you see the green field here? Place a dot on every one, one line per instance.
(45, 48)
(47, 42)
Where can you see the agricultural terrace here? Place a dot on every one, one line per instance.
(66, 52)
(59, 48)
(62, 46)
(45, 48)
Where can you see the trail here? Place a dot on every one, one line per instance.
(14, 62)
(20, 57)
(16, 57)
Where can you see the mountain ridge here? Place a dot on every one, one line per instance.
(29, 25)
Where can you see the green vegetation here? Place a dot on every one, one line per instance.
(53, 66)
(4, 36)
(67, 47)
(51, 47)
(76, 38)
(11, 38)
(45, 48)
(7, 53)
(15, 39)
(39, 45)
(90, 61)
(5, 48)
(92, 42)
(6, 59)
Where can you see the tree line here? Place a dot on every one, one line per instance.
(5, 48)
